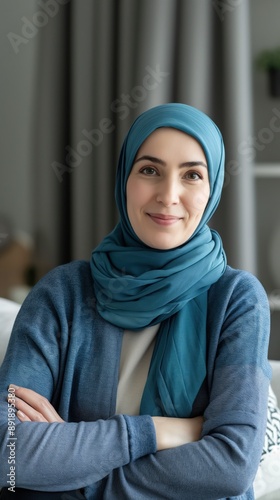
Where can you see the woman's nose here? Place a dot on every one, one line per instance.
(168, 192)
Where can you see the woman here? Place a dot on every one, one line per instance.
(153, 355)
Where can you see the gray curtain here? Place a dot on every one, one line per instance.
(100, 64)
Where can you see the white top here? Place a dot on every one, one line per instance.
(137, 350)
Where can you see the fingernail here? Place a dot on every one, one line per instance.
(20, 414)
(13, 387)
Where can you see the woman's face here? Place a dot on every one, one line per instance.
(167, 189)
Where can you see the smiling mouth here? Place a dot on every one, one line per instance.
(164, 220)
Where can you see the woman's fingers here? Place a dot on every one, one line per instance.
(32, 406)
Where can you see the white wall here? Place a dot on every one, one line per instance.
(17, 79)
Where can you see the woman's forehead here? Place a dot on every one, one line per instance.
(164, 137)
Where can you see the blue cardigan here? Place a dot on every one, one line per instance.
(61, 348)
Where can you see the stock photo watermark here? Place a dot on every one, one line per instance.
(223, 7)
(30, 27)
(264, 136)
(11, 444)
(122, 108)
(253, 144)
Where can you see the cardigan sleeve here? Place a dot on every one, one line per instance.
(57, 456)
(223, 463)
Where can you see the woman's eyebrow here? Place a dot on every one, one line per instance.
(154, 159)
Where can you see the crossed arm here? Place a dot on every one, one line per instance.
(228, 448)
(170, 432)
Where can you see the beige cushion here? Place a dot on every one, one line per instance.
(8, 312)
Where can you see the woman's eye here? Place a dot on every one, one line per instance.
(148, 171)
(193, 176)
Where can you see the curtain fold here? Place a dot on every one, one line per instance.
(100, 64)
(51, 125)
(92, 133)
(196, 54)
(240, 233)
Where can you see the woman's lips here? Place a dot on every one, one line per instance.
(164, 220)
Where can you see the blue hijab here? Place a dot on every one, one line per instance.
(137, 286)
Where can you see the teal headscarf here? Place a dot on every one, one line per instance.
(137, 286)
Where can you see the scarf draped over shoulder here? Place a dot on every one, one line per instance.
(137, 286)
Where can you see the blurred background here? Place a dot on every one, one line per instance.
(75, 74)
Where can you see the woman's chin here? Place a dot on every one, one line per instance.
(164, 243)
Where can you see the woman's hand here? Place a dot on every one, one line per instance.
(31, 406)
(172, 432)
